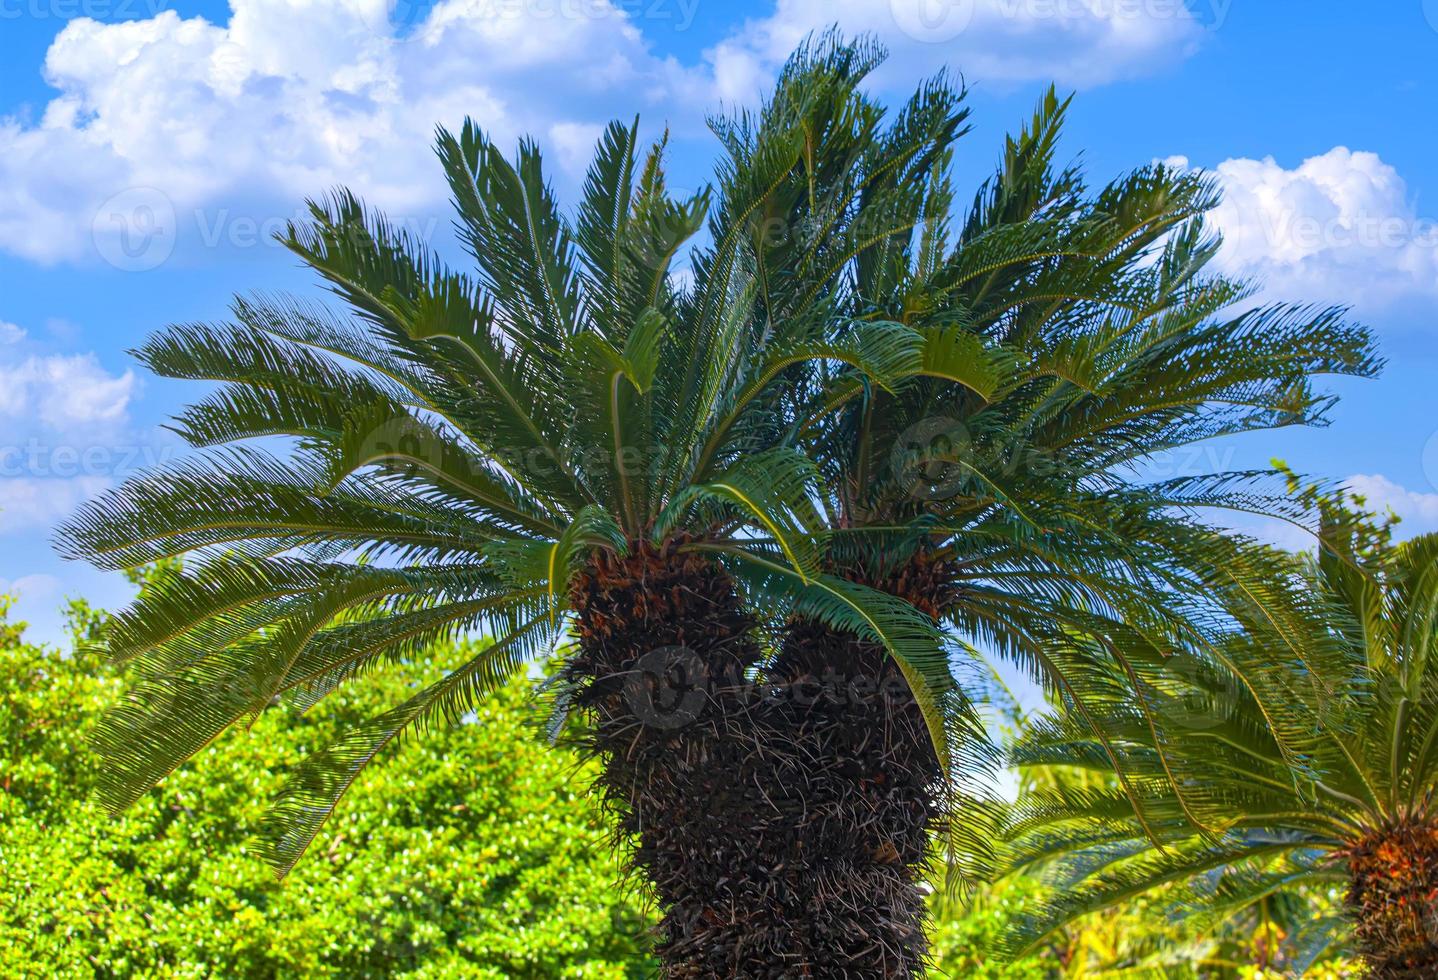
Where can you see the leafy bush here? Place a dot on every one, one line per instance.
(471, 852)
(963, 938)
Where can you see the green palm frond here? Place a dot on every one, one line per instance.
(437, 454)
(1296, 740)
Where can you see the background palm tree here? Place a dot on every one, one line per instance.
(1069, 333)
(1305, 758)
(559, 442)
(1142, 937)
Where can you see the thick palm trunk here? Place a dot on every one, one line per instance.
(689, 759)
(873, 792)
(1393, 898)
(783, 828)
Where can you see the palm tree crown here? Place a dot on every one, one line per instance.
(446, 452)
(1304, 755)
(863, 419)
(1069, 334)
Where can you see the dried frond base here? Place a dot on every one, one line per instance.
(1393, 898)
(872, 785)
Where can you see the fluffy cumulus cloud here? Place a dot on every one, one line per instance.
(169, 131)
(1076, 42)
(64, 436)
(162, 116)
(1340, 227)
(1418, 510)
(10, 333)
(39, 586)
(64, 392)
(30, 504)
(37, 604)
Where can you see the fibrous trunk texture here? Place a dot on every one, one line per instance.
(781, 826)
(1393, 898)
(874, 790)
(689, 758)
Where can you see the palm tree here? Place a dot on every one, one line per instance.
(1141, 937)
(1304, 760)
(1069, 333)
(558, 443)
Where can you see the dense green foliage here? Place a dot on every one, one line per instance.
(871, 432)
(466, 440)
(471, 852)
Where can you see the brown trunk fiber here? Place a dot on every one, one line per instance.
(1393, 898)
(690, 754)
(873, 787)
(782, 827)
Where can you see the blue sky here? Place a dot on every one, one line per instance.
(147, 148)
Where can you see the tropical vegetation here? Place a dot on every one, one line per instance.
(1300, 763)
(1070, 332)
(749, 522)
(475, 852)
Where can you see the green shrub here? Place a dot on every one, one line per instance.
(963, 937)
(470, 852)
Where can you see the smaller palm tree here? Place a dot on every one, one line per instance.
(1070, 330)
(1305, 757)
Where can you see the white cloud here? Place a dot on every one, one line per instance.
(574, 143)
(64, 392)
(157, 118)
(28, 504)
(1339, 227)
(170, 132)
(10, 333)
(1074, 42)
(38, 586)
(35, 597)
(1419, 511)
(63, 437)
(1272, 531)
